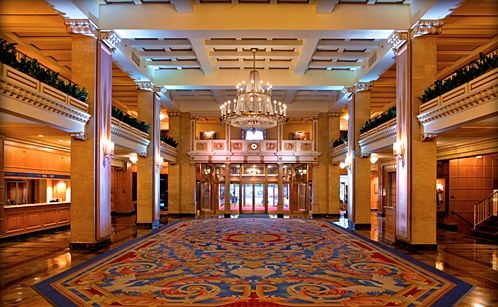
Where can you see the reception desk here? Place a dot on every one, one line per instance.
(22, 219)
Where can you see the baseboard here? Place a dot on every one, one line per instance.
(22, 236)
(90, 246)
(116, 213)
(362, 226)
(181, 215)
(415, 248)
(450, 227)
(326, 215)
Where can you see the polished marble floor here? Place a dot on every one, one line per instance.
(28, 260)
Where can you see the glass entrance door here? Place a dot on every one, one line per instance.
(272, 197)
(253, 198)
(234, 196)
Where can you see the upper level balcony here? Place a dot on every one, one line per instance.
(466, 105)
(378, 138)
(168, 152)
(129, 138)
(28, 98)
(245, 151)
(470, 102)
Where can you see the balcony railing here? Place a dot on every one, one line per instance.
(379, 137)
(254, 151)
(29, 98)
(473, 100)
(485, 208)
(124, 135)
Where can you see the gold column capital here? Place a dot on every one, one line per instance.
(397, 39)
(81, 26)
(145, 85)
(78, 136)
(427, 27)
(111, 39)
(335, 114)
(363, 86)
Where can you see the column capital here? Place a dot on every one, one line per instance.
(423, 27)
(363, 86)
(428, 137)
(348, 90)
(78, 136)
(397, 39)
(158, 89)
(145, 85)
(335, 114)
(81, 26)
(111, 39)
(174, 113)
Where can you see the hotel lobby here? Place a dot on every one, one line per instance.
(121, 119)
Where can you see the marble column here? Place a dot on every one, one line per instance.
(416, 69)
(333, 199)
(227, 191)
(228, 138)
(149, 166)
(280, 202)
(174, 169)
(181, 178)
(324, 175)
(91, 153)
(359, 170)
(2, 182)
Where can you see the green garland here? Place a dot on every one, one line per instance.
(461, 76)
(130, 120)
(341, 140)
(379, 120)
(168, 140)
(31, 67)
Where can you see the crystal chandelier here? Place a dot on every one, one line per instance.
(253, 108)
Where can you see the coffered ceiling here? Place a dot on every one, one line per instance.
(199, 50)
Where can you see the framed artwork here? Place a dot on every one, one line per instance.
(208, 135)
(299, 135)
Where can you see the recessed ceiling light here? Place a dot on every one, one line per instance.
(40, 135)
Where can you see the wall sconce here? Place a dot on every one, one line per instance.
(159, 161)
(347, 161)
(374, 158)
(133, 157)
(399, 151)
(108, 150)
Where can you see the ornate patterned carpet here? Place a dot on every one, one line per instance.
(252, 262)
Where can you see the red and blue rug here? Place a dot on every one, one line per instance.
(252, 262)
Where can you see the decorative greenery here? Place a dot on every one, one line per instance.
(461, 76)
(10, 56)
(168, 140)
(341, 140)
(119, 114)
(379, 120)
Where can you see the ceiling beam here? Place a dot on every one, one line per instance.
(182, 6)
(202, 55)
(326, 6)
(307, 52)
(231, 43)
